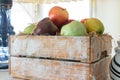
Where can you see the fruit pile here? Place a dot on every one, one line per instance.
(58, 23)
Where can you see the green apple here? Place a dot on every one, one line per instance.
(28, 30)
(74, 28)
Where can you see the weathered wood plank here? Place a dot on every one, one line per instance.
(85, 49)
(46, 69)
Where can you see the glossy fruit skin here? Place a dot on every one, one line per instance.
(94, 25)
(58, 15)
(45, 27)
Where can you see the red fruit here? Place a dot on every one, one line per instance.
(83, 20)
(68, 21)
(58, 15)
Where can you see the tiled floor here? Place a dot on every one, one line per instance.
(4, 75)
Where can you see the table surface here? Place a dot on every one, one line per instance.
(4, 75)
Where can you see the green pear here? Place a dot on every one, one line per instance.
(74, 28)
(94, 25)
(28, 30)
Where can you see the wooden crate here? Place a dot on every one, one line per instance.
(22, 68)
(85, 49)
(59, 58)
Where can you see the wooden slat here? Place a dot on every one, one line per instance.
(46, 69)
(84, 49)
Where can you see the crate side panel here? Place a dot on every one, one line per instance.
(100, 69)
(108, 44)
(29, 68)
(14, 78)
(77, 48)
(84, 49)
(100, 47)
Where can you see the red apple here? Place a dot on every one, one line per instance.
(58, 15)
(68, 21)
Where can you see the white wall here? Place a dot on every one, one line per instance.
(109, 13)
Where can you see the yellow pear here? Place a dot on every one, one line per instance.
(94, 25)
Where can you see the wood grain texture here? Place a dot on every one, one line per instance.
(84, 49)
(46, 69)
